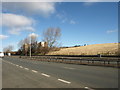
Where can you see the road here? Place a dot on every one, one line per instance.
(22, 73)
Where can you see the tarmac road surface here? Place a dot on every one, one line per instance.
(23, 73)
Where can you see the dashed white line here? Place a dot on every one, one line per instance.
(20, 66)
(34, 71)
(68, 68)
(17, 65)
(45, 75)
(9, 62)
(88, 88)
(13, 64)
(5, 61)
(26, 68)
(64, 81)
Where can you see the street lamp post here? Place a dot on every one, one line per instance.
(30, 45)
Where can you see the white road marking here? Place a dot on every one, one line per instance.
(88, 88)
(34, 71)
(68, 68)
(20, 66)
(64, 81)
(5, 61)
(45, 75)
(9, 62)
(17, 65)
(26, 68)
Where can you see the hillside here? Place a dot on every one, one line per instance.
(105, 49)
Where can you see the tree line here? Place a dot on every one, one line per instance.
(50, 37)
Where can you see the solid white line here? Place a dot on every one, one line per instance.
(34, 71)
(26, 68)
(20, 66)
(12, 63)
(45, 75)
(64, 81)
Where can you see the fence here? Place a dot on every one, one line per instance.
(112, 62)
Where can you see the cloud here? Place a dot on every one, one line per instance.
(32, 0)
(16, 23)
(100, 0)
(30, 8)
(112, 31)
(60, 16)
(89, 3)
(72, 22)
(59, 0)
(33, 35)
(64, 18)
(3, 36)
(93, 0)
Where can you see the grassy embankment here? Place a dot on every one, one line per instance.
(104, 49)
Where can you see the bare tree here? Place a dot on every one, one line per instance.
(8, 48)
(24, 41)
(24, 46)
(51, 36)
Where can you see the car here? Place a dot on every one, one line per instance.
(1, 55)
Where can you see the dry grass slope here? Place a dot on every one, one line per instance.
(104, 49)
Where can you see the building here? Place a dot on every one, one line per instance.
(26, 46)
(42, 44)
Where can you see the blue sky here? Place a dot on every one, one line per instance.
(80, 22)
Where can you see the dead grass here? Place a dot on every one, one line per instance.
(105, 49)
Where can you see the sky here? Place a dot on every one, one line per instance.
(80, 22)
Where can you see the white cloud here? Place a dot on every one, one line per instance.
(100, 0)
(30, 8)
(72, 22)
(91, 2)
(112, 31)
(59, 0)
(33, 35)
(16, 23)
(64, 18)
(3, 36)
(12, 20)
(60, 16)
